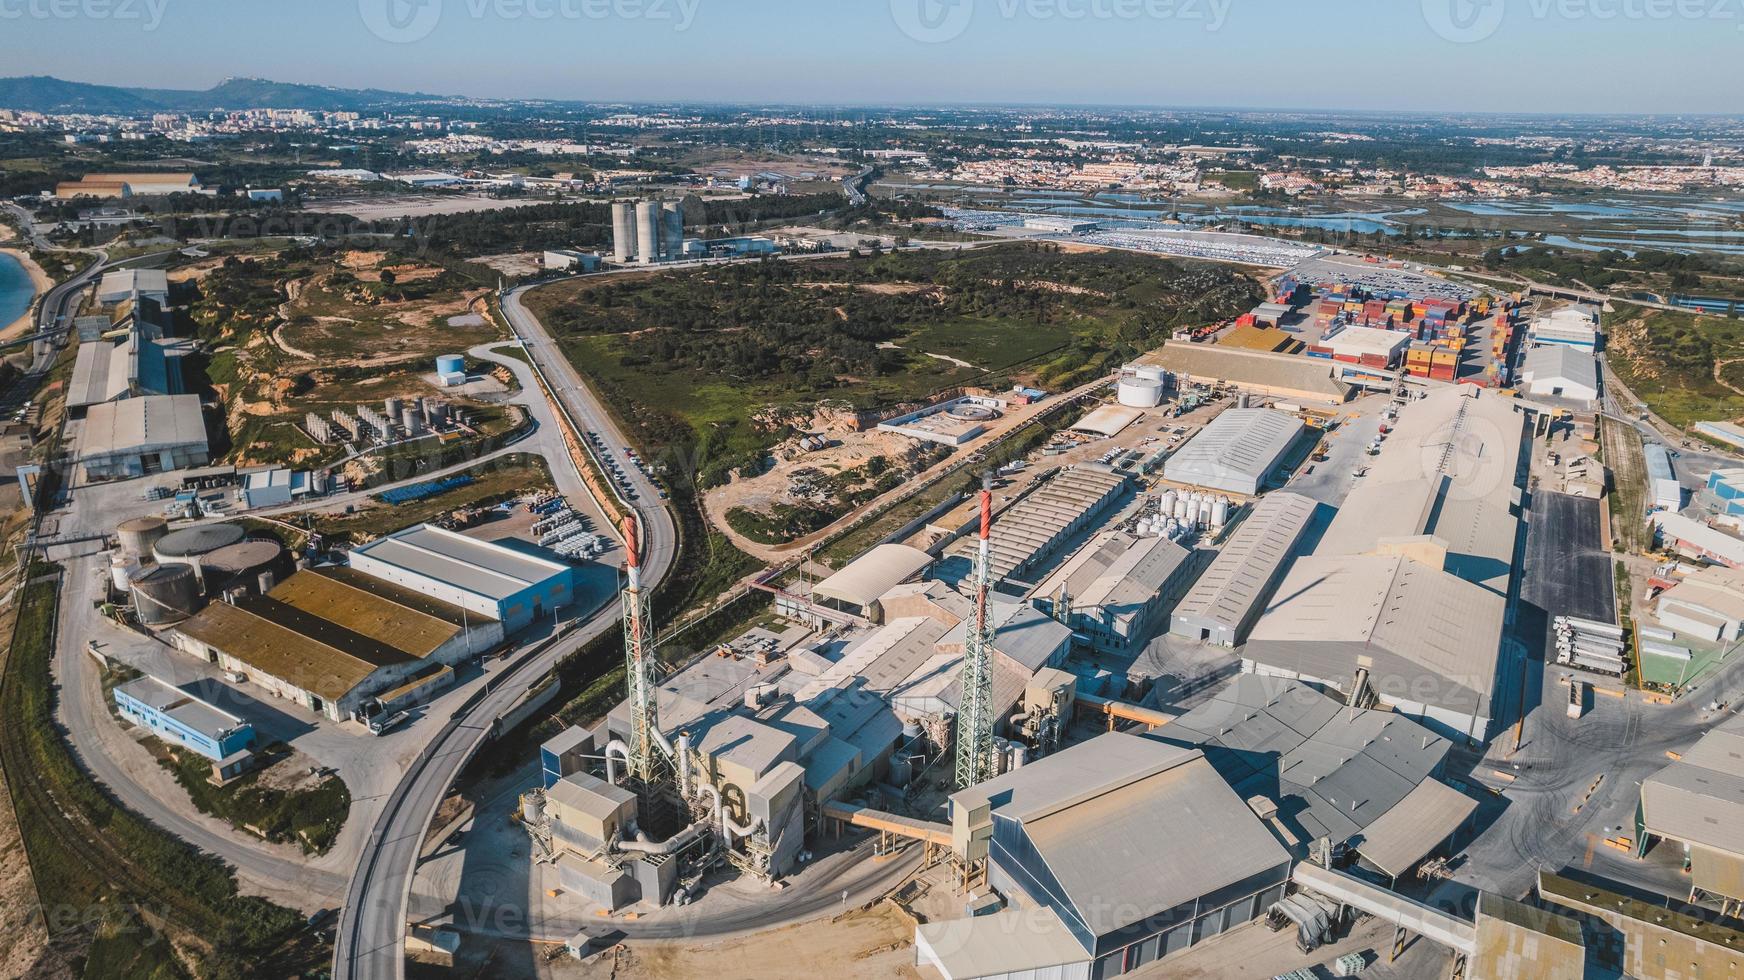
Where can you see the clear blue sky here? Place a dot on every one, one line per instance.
(1537, 55)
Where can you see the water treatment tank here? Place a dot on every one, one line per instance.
(140, 535)
(450, 364)
(1141, 392)
(165, 594)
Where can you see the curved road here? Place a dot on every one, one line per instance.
(372, 924)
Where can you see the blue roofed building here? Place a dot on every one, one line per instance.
(182, 719)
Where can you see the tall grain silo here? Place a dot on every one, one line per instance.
(672, 230)
(623, 232)
(648, 232)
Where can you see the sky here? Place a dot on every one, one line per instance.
(1662, 56)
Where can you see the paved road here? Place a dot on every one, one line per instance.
(372, 925)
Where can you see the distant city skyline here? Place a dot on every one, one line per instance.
(1542, 56)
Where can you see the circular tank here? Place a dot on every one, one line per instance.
(413, 420)
(165, 594)
(1220, 512)
(241, 565)
(122, 568)
(392, 407)
(140, 535)
(450, 364)
(1141, 392)
(193, 542)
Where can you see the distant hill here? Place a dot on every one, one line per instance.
(43, 93)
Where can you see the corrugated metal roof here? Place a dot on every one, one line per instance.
(1241, 445)
(1699, 799)
(479, 567)
(140, 425)
(1117, 572)
(1405, 834)
(1552, 362)
(1308, 377)
(871, 575)
(1238, 577)
(1013, 942)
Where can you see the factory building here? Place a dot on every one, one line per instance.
(1237, 453)
(1096, 838)
(1519, 940)
(857, 587)
(142, 436)
(1665, 493)
(1117, 589)
(182, 719)
(1264, 373)
(1693, 539)
(487, 579)
(1570, 327)
(1725, 492)
(1391, 625)
(1656, 940)
(647, 232)
(1561, 371)
(122, 285)
(127, 185)
(1452, 468)
(1697, 804)
(132, 359)
(332, 639)
(1225, 601)
(1359, 778)
(1707, 604)
(1031, 531)
(1364, 345)
(570, 260)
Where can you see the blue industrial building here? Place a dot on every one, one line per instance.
(513, 586)
(1727, 487)
(179, 718)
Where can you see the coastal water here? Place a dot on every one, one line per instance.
(16, 289)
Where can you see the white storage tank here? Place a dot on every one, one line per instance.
(122, 568)
(1141, 392)
(1182, 503)
(1220, 512)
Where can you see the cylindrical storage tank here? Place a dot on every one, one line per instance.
(191, 545)
(533, 808)
(1220, 512)
(319, 481)
(450, 364)
(1181, 504)
(1149, 372)
(412, 420)
(901, 771)
(122, 568)
(1166, 503)
(391, 408)
(648, 232)
(165, 594)
(140, 535)
(623, 232)
(1205, 511)
(1141, 392)
(672, 229)
(427, 405)
(240, 565)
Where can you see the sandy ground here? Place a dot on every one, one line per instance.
(514, 263)
(39, 278)
(876, 944)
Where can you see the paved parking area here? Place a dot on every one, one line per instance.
(1568, 571)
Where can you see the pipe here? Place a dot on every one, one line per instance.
(684, 766)
(708, 789)
(740, 831)
(623, 752)
(666, 846)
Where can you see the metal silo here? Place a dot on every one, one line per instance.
(672, 230)
(140, 535)
(165, 594)
(648, 232)
(623, 233)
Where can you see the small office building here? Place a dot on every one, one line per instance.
(182, 719)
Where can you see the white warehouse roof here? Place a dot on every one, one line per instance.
(1236, 451)
(142, 425)
(1357, 341)
(474, 566)
(864, 579)
(1561, 366)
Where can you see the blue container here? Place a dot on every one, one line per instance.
(450, 364)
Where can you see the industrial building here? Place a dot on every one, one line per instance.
(1225, 601)
(570, 260)
(647, 232)
(1238, 452)
(132, 360)
(1267, 374)
(1523, 941)
(1706, 604)
(141, 436)
(333, 639)
(1117, 589)
(1391, 625)
(1697, 803)
(127, 185)
(1453, 468)
(1031, 531)
(1094, 835)
(1365, 345)
(485, 578)
(182, 719)
(122, 285)
(1664, 491)
(1693, 539)
(1561, 371)
(1359, 778)
(857, 587)
(1108, 421)
(1572, 327)
(1725, 492)
(1657, 941)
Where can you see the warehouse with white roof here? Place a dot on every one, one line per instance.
(1237, 452)
(1698, 802)
(506, 584)
(1368, 345)
(1225, 601)
(140, 436)
(1561, 371)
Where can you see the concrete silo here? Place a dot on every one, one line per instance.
(672, 230)
(648, 232)
(623, 232)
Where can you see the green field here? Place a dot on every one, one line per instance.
(689, 357)
(1669, 360)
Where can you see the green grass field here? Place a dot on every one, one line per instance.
(1668, 360)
